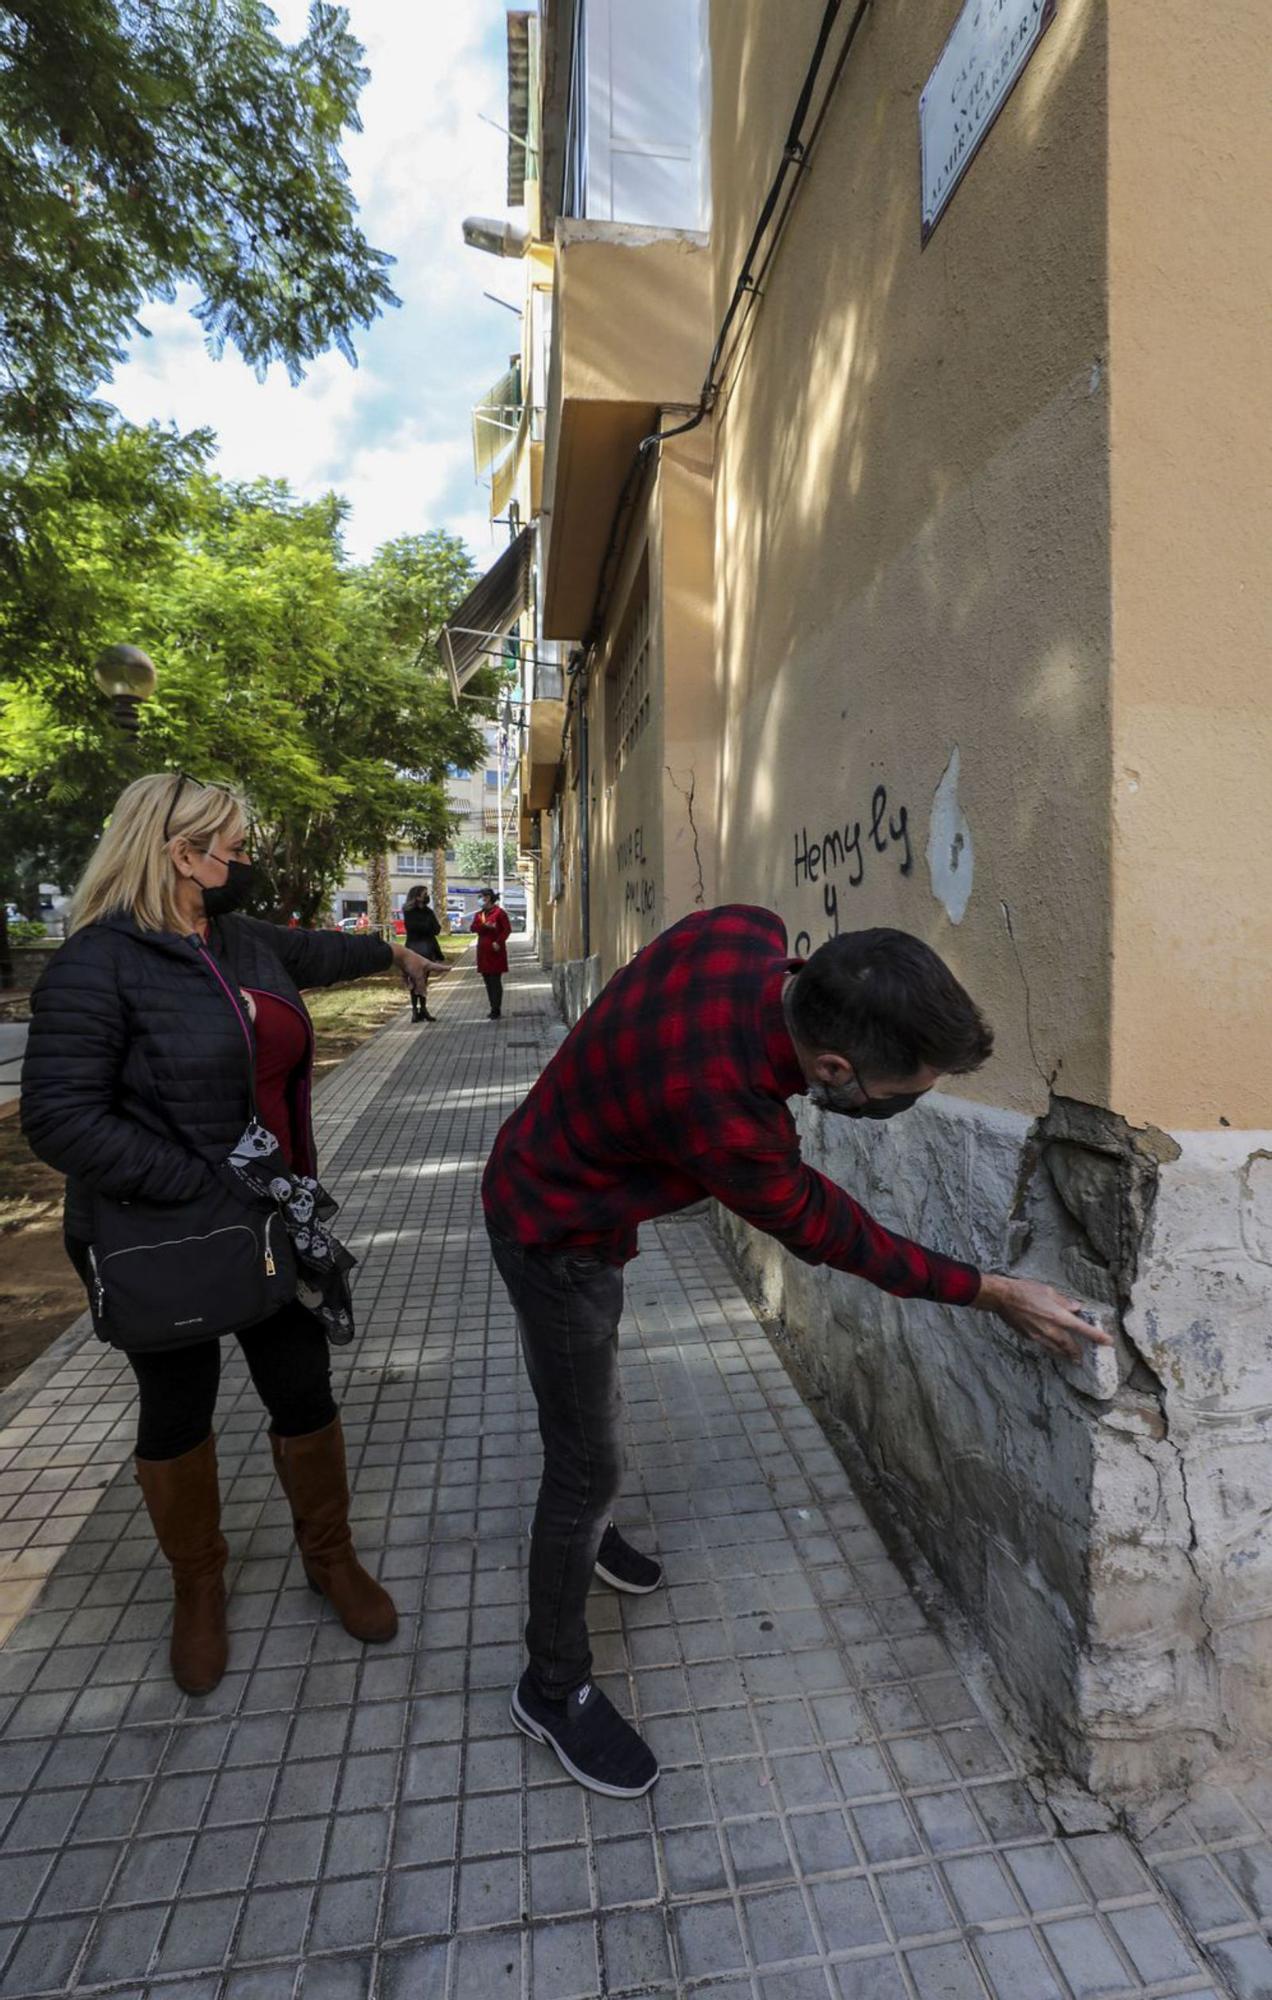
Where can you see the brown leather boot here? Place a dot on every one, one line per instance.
(311, 1471)
(183, 1501)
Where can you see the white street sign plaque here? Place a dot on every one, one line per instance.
(989, 45)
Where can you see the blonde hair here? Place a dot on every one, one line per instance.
(131, 871)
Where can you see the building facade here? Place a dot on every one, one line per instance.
(945, 607)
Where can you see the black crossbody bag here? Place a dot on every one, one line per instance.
(163, 1275)
(166, 1276)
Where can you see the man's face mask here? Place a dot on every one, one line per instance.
(848, 1101)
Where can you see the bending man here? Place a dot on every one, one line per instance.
(672, 1087)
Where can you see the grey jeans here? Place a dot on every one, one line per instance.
(568, 1308)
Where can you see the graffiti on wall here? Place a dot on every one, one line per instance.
(640, 892)
(837, 859)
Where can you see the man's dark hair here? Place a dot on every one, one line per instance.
(887, 1002)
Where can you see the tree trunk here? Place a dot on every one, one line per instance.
(380, 895)
(439, 887)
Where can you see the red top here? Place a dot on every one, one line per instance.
(492, 928)
(282, 1046)
(673, 1086)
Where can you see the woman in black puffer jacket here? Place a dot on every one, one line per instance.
(423, 929)
(156, 1030)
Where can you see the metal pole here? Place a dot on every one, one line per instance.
(585, 873)
(501, 839)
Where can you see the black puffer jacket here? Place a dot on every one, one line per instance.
(137, 1070)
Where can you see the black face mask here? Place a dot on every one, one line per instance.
(883, 1107)
(829, 1098)
(232, 893)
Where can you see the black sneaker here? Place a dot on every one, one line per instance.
(594, 1743)
(625, 1568)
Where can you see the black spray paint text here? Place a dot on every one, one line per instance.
(838, 856)
(640, 892)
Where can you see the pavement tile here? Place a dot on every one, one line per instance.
(637, 1951)
(708, 1938)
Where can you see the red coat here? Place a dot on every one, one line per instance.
(492, 928)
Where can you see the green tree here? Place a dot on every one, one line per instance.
(145, 146)
(142, 147)
(480, 858)
(284, 670)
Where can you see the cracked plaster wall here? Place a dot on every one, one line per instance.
(1104, 1525)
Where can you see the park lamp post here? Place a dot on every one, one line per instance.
(128, 676)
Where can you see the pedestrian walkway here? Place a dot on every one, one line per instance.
(837, 1816)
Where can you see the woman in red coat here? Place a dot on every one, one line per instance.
(492, 927)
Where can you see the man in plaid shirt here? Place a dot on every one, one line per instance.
(674, 1086)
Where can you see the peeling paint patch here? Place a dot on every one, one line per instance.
(950, 855)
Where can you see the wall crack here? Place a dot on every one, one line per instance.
(687, 794)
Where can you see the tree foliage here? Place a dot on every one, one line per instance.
(310, 683)
(144, 145)
(478, 857)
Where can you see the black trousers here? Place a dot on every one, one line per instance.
(287, 1357)
(568, 1308)
(289, 1363)
(494, 991)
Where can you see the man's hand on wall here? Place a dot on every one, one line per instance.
(1040, 1313)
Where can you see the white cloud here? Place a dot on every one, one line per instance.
(394, 434)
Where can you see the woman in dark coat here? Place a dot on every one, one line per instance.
(492, 927)
(423, 929)
(162, 1027)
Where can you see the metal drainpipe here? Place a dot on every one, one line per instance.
(585, 880)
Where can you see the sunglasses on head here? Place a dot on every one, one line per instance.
(183, 779)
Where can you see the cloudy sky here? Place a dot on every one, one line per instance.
(392, 435)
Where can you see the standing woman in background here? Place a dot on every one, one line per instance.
(423, 928)
(168, 1075)
(492, 927)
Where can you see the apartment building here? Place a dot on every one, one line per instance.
(891, 547)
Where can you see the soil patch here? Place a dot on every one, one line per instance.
(39, 1292)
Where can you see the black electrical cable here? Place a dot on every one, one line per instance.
(722, 363)
(795, 155)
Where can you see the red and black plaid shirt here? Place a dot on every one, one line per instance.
(674, 1086)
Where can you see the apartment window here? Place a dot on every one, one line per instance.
(413, 864)
(637, 115)
(574, 192)
(492, 781)
(628, 681)
(549, 681)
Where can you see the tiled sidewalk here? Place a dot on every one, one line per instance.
(836, 1815)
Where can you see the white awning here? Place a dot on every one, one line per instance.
(473, 635)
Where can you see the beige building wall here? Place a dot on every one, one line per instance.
(912, 580)
(653, 811)
(1190, 245)
(991, 584)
